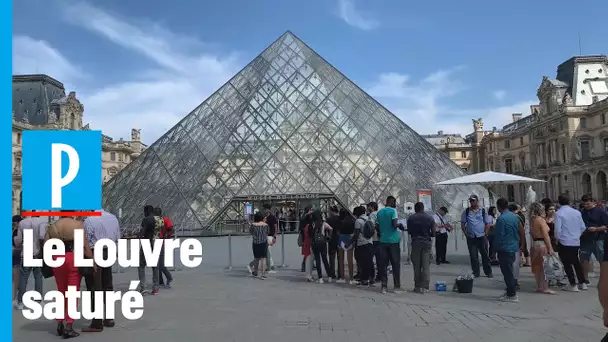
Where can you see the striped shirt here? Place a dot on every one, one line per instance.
(105, 226)
(259, 233)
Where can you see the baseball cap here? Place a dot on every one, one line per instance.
(473, 198)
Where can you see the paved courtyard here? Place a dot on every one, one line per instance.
(211, 303)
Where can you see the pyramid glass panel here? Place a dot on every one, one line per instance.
(287, 126)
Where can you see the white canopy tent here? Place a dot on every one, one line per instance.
(489, 177)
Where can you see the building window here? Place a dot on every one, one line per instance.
(463, 154)
(583, 123)
(563, 153)
(521, 141)
(490, 164)
(603, 117)
(605, 146)
(19, 138)
(112, 172)
(120, 157)
(585, 150)
(550, 152)
(507, 143)
(72, 121)
(113, 156)
(509, 165)
(522, 162)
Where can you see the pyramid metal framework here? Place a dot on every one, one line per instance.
(287, 123)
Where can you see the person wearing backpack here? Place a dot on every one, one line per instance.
(475, 224)
(365, 230)
(320, 233)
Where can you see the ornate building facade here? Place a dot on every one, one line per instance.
(40, 102)
(564, 139)
(457, 148)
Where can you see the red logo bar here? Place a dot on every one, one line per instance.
(61, 213)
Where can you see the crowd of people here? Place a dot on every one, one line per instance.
(97, 278)
(503, 235)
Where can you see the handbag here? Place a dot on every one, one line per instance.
(301, 237)
(553, 267)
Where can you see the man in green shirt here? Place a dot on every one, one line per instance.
(390, 238)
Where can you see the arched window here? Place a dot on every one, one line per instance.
(72, 122)
(510, 193)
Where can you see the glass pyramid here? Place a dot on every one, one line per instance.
(288, 123)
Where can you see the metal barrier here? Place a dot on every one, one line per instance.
(283, 250)
(229, 267)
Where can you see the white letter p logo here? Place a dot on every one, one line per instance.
(58, 181)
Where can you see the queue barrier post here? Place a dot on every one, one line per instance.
(283, 250)
(229, 267)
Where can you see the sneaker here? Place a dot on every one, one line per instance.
(144, 291)
(490, 275)
(445, 262)
(330, 279)
(155, 292)
(510, 299)
(320, 281)
(399, 290)
(254, 274)
(309, 280)
(251, 270)
(372, 284)
(588, 282)
(263, 277)
(583, 287)
(425, 291)
(383, 290)
(571, 288)
(363, 283)
(340, 281)
(272, 272)
(353, 282)
(169, 284)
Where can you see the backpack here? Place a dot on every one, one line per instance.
(159, 226)
(369, 229)
(317, 234)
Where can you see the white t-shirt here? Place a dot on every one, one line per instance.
(438, 220)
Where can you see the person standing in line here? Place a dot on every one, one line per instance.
(390, 240)
(592, 240)
(602, 286)
(422, 227)
(493, 213)
(148, 231)
(38, 227)
(96, 228)
(165, 234)
(475, 224)
(347, 229)
(541, 246)
(441, 238)
(569, 226)
(321, 231)
(305, 220)
(372, 215)
(259, 233)
(364, 253)
(507, 243)
(333, 219)
(515, 209)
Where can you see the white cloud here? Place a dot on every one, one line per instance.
(422, 105)
(499, 94)
(31, 56)
(354, 17)
(155, 99)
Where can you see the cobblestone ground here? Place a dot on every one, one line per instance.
(211, 303)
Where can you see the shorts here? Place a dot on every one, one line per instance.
(345, 238)
(595, 248)
(260, 250)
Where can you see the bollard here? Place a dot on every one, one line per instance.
(456, 240)
(283, 250)
(229, 267)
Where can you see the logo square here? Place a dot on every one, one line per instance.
(61, 170)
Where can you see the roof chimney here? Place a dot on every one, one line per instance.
(516, 116)
(440, 132)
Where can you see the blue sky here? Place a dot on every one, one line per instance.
(436, 64)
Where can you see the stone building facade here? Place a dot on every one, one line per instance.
(456, 147)
(40, 102)
(563, 140)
